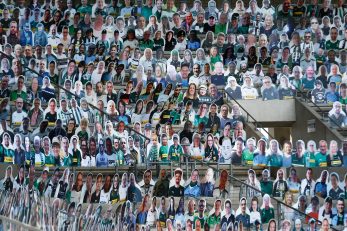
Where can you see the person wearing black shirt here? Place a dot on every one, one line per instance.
(228, 216)
(211, 24)
(170, 41)
(186, 132)
(177, 190)
(95, 198)
(51, 116)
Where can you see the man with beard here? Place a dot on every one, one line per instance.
(177, 190)
(146, 184)
(134, 152)
(196, 74)
(120, 153)
(101, 157)
(111, 156)
(85, 159)
(13, 37)
(161, 187)
(53, 183)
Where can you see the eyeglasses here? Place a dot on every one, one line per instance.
(314, 22)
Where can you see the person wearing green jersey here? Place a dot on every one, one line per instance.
(267, 211)
(49, 159)
(114, 194)
(274, 158)
(321, 156)
(215, 218)
(200, 215)
(41, 183)
(162, 216)
(248, 152)
(85, 8)
(266, 184)
(6, 149)
(310, 159)
(164, 149)
(175, 150)
(298, 157)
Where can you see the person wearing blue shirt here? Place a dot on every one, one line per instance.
(194, 42)
(339, 219)
(332, 95)
(40, 37)
(193, 188)
(321, 187)
(259, 154)
(101, 157)
(26, 37)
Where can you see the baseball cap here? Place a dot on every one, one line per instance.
(185, 141)
(148, 126)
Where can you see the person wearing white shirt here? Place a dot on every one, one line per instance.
(105, 192)
(123, 187)
(19, 114)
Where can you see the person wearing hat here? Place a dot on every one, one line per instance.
(286, 225)
(186, 147)
(56, 152)
(181, 44)
(312, 225)
(104, 41)
(53, 183)
(41, 183)
(177, 189)
(210, 25)
(175, 150)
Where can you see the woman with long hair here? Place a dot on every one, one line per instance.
(137, 114)
(191, 95)
(106, 190)
(334, 158)
(152, 214)
(114, 194)
(142, 211)
(95, 198)
(211, 151)
(202, 115)
(76, 191)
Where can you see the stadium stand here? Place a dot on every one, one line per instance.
(164, 115)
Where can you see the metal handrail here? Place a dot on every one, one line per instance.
(303, 94)
(248, 114)
(23, 226)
